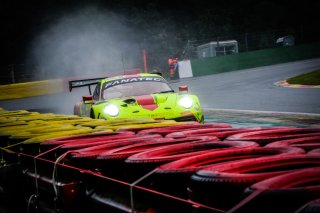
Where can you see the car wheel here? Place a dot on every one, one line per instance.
(92, 114)
(202, 120)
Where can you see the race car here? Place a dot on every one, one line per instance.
(141, 95)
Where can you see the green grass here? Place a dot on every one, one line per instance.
(312, 78)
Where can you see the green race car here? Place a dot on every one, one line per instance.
(137, 96)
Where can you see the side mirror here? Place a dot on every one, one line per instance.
(183, 89)
(88, 98)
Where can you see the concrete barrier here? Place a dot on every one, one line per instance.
(30, 89)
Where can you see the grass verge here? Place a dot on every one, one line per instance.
(311, 78)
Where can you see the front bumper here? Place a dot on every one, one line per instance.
(185, 118)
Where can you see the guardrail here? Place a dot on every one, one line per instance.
(30, 89)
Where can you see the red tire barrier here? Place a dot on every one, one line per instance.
(86, 158)
(173, 178)
(194, 163)
(126, 151)
(311, 207)
(314, 151)
(93, 137)
(306, 143)
(267, 136)
(112, 161)
(141, 163)
(168, 129)
(91, 143)
(221, 133)
(177, 128)
(221, 186)
(83, 155)
(92, 150)
(283, 193)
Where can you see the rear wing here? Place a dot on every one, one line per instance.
(84, 82)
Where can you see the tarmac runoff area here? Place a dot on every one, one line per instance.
(248, 118)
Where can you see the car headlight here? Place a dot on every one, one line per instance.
(111, 110)
(186, 102)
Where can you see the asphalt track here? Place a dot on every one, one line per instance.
(255, 89)
(222, 96)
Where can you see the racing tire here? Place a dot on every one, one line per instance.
(92, 114)
(222, 185)
(290, 192)
(202, 120)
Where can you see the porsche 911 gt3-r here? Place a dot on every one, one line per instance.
(137, 96)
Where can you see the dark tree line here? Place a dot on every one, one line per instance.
(164, 26)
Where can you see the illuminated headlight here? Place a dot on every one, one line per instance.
(111, 110)
(186, 102)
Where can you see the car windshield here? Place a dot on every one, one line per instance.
(135, 89)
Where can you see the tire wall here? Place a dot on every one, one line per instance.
(245, 60)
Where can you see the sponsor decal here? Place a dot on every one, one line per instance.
(131, 80)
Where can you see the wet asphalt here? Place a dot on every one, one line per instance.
(254, 89)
